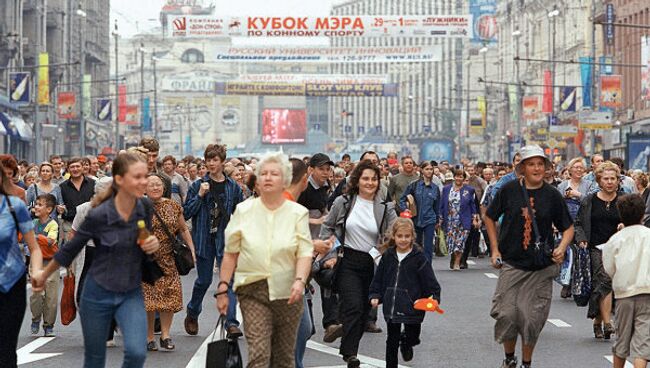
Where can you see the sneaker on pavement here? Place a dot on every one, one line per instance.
(191, 325)
(111, 344)
(509, 363)
(48, 331)
(332, 333)
(36, 327)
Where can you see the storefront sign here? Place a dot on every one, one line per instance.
(446, 26)
(67, 105)
(305, 89)
(378, 54)
(595, 119)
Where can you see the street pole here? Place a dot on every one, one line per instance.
(155, 94)
(554, 14)
(593, 73)
(142, 91)
(467, 120)
(116, 112)
(82, 68)
(517, 35)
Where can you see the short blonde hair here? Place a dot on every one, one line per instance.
(606, 166)
(280, 159)
(575, 161)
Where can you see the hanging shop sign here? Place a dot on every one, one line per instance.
(377, 54)
(19, 87)
(446, 26)
(67, 105)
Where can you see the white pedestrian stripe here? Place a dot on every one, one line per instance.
(471, 263)
(369, 362)
(26, 355)
(611, 360)
(490, 275)
(559, 323)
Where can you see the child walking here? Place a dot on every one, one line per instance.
(626, 258)
(403, 276)
(44, 303)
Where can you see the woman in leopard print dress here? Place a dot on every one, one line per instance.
(166, 295)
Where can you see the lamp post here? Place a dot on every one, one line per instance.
(516, 35)
(154, 60)
(116, 112)
(142, 122)
(82, 66)
(484, 51)
(552, 15)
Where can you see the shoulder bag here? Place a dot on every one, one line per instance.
(542, 250)
(12, 267)
(182, 253)
(223, 353)
(151, 270)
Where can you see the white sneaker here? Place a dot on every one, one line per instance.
(111, 344)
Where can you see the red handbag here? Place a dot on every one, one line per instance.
(68, 306)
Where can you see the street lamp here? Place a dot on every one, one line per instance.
(82, 69)
(116, 111)
(142, 52)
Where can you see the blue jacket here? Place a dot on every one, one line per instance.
(467, 205)
(398, 285)
(427, 200)
(198, 209)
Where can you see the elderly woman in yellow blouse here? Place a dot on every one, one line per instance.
(269, 243)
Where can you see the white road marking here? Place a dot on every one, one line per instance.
(559, 323)
(611, 360)
(471, 263)
(372, 362)
(25, 354)
(490, 275)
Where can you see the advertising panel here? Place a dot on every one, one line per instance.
(314, 78)
(19, 88)
(131, 116)
(437, 150)
(206, 26)
(43, 79)
(645, 71)
(121, 102)
(484, 21)
(638, 152)
(611, 92)
(104, 109)
(305, 89)
(595, 119)
(281, 126)
(67, 105)
(568, 99)
(530, 107)
(377, 54)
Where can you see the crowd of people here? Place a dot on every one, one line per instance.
(364, 232)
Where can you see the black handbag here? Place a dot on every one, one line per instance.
(223, 353)
(151, 270)
(182, 253)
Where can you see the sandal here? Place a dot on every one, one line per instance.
(608, 331)
(167, 343)
(151, 346)
(598, 331)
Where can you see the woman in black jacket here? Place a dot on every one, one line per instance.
(404, 275)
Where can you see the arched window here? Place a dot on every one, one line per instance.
(192, 56)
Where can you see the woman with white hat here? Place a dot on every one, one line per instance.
(526, 254)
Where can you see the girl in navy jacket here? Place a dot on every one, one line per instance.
(403, 276)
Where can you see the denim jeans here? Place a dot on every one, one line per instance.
(97, 309)
(12, 313)
(304, 333)
(205, 271)
(424, 237)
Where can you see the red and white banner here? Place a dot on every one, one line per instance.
(67, 105)
(375, 54)
(547, 101)
(445, 26)
(131, 116)
(530, 107)
(121, 102)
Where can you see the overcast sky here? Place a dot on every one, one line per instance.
(141, 15)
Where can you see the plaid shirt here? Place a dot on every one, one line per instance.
(198, 209)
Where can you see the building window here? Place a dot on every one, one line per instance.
(192, 56)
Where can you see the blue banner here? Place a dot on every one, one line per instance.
(605, 65)
(104, 109)
(568, 99)
(484, 29)
(586, 72)
(146, 116)
(20, 88)
(437, 150)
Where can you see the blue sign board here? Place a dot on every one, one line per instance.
(20, 88)
(437, 149)
(104, 109)
(609, 28)
(484, 29)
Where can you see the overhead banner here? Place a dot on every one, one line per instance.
(146, 115)
(121, 102)
(377, 54)
(206, 26)
(568, 99)
(19, 87)
(484, 21)
(645, 71)
(87, 101)
(306, 89)
(131, 116)
(43, 79)
(530, 106)
(67, 105)
(314, 78)
(547, 99)
(586, 71)
(104, 109)
(482, 109)
(513, 102)
(611, 93)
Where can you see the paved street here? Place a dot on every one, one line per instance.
(462, 337)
